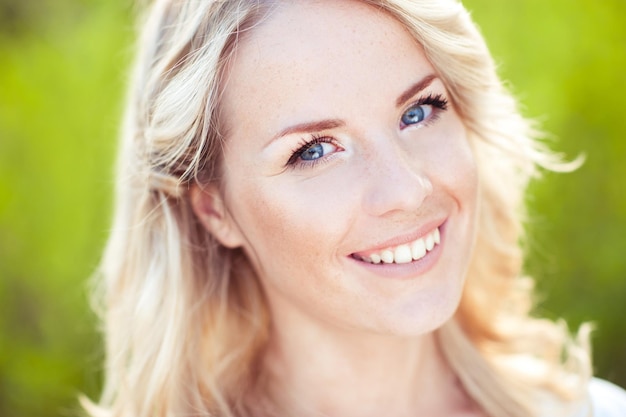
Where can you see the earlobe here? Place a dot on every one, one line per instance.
(209, 206)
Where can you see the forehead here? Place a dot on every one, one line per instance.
(313, 52)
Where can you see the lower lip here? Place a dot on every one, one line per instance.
(407, 270)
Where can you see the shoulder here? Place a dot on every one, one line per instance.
(607, 399)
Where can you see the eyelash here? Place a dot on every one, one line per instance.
(437, 101)
(306, 144)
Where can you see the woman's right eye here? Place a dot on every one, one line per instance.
(312, 151)
(316, 151)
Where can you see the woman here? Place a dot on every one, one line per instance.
(318, 215)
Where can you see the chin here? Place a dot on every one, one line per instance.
(418, 317)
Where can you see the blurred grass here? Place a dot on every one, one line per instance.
(60, 92)
(566, 62)
(62, 70)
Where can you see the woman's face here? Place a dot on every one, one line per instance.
(348, 180)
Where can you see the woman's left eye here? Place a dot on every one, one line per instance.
(425, 109)
(416, 114)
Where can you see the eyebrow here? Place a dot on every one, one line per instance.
(414, 89)
(310, 127)
(334, 123)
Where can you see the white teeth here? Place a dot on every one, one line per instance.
(402, 254)
(430, 242)
(418, 249)
(386, 256)
(408, 252)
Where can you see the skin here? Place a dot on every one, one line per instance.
(362, 335)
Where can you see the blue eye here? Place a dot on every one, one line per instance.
(426, 109)
(416, 114)
(313, 150)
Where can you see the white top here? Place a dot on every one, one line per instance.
(604, 400)
(607, 400)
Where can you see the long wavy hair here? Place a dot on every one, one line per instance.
(184, 318)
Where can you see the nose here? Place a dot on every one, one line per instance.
(395, 182)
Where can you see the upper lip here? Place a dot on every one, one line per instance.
(420, 232)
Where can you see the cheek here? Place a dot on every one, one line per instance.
(292, 235)
(454, 164)
(291, 221)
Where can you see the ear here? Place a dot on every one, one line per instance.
(208, 204)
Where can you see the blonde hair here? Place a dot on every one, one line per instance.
(184, 318)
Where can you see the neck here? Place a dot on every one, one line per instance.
(325, 371)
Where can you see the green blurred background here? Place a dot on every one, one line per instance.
(63, 65)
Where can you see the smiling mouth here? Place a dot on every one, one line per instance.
(405, 253)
